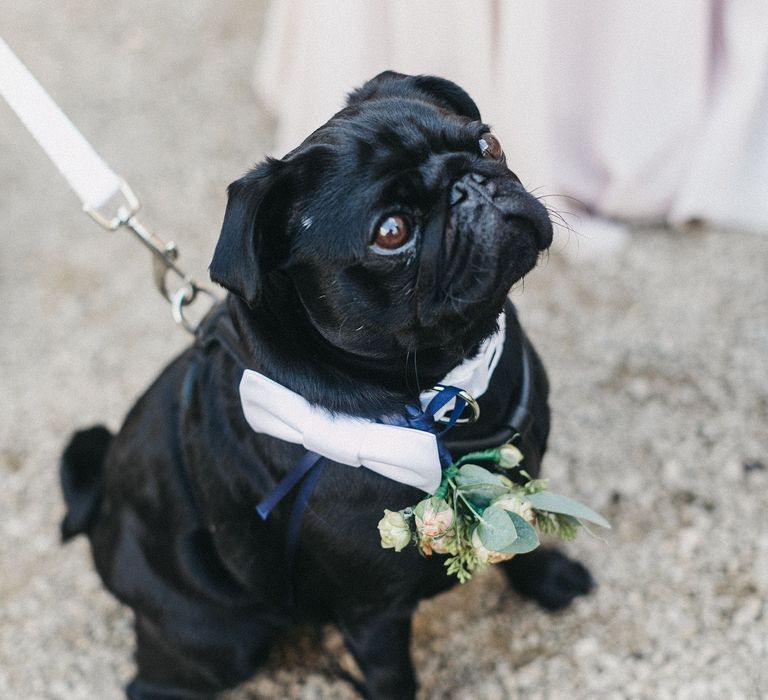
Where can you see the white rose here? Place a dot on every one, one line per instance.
(433, 517)
(394, 531)
(518, 505)
(509, 457)
(486, 556)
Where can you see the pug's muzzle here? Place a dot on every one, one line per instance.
(491, 236)
(514, 205)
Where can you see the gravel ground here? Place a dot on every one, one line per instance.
(658, 356)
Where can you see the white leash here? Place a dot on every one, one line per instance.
(92, 180)
(88, 175)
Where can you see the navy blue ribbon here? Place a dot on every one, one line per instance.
(425, 420)
(304, 466)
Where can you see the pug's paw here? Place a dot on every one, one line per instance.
(548, 577)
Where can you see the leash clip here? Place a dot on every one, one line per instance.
(164, 256)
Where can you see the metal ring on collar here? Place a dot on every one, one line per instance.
(471, 404)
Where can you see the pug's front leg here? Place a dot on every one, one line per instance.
(380, 642)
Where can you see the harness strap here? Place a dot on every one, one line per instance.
(217, 328)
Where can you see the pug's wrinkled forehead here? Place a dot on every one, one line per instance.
(396, 122)
(398, 145)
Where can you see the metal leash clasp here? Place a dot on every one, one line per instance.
(164, 256)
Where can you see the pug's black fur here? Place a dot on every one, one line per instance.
(168, 502)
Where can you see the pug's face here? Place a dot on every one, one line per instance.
(395, 228)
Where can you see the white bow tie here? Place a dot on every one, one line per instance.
(407, 455)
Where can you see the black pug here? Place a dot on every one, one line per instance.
(362, 266)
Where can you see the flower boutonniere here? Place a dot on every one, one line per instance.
(479, 516)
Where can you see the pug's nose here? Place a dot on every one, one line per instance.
(471, 181)
(511, 200)
(459, 193)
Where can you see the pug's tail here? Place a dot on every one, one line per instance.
(80, 469)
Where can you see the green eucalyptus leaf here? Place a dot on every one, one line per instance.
(527, 539)
(472, 474)
(555, 503)
(497, 531)
(479, 485)
(483, 494)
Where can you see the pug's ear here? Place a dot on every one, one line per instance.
(240, 260)
(444, 91)
(255, 238)
(440, 91)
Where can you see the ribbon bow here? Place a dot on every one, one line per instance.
(406, 453)
(408, 449)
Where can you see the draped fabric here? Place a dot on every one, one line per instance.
(652, 110)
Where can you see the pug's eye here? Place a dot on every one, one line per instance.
(393, 232)
(490, 147)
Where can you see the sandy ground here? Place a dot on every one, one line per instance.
(658, 356)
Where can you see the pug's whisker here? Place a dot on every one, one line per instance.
(581, 205)
(563, 223)
(416, 370)
(560, 219)
(559, 215)
(413, 375)
(407, 362)
(341, 324)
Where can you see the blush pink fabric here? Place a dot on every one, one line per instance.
(640, 110)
